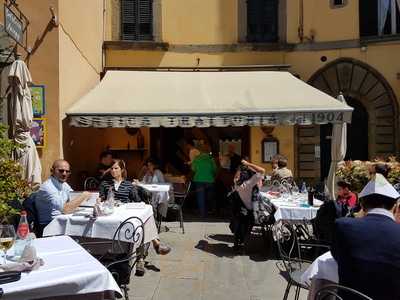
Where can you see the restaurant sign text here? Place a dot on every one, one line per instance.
(13, 25)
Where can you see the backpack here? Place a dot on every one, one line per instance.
(263, 211)
(324, 222)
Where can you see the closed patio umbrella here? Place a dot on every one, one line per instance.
(21, 120)
(338, 151)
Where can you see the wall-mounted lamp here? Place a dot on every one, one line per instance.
(54, 19)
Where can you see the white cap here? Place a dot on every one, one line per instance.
(379, 185)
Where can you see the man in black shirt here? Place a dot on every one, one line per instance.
(103, 168)
(234, 157)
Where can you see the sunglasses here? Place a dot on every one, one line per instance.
(64, 171)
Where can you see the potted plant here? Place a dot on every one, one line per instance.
(357, 173)
(13, 188)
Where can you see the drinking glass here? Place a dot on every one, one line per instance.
(7, 239)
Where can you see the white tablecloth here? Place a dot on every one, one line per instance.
(324, 267)
(292, 210)
(160, 196)
(103, 227)
(68, 270)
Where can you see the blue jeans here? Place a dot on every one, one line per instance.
(204, 194)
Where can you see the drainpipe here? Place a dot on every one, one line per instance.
(300, 30)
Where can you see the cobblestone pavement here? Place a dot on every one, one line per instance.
(202, 265)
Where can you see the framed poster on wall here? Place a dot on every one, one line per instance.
(270, 148)
(38, 100)
(38, 132)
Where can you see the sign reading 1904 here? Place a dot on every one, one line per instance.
(13, 25)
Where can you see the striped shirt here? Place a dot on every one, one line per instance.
(125, 192)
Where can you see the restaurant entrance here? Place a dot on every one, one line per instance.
(168, 144)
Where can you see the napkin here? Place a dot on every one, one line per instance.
(28, 261)
(135, 205)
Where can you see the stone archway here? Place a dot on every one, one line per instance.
(362, 83)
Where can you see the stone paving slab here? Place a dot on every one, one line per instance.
(202, 266)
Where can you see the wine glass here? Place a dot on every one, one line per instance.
(7, 239)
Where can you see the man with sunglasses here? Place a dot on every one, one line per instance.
(53, 197)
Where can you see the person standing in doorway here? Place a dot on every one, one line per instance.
(193, 152)
(235, 158)
(205, 170)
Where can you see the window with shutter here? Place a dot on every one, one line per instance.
(379, 17)
(262, 20)
(137, 20)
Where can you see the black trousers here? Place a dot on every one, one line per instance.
(242, 219)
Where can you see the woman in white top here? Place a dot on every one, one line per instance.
(247, 181)
(153, 174)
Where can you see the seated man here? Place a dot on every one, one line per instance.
(345, 196)
(53, 197)
(282, 172)
(367, 249)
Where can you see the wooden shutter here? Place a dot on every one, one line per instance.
(308, 165)
(137, 20)
(262, 20)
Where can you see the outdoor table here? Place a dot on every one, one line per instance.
(291, 209)
(103, 227)
(323, 271)
(69, 272)
(160, 196)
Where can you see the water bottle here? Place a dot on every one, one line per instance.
(109, 203)
(23, 237)
(303, 189)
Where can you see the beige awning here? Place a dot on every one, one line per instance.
(202, 99)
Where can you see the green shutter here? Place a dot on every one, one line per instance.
(137, 20)
(262, 20)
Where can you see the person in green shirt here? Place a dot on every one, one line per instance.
(205, 170)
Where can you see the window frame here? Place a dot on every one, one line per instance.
(333, 5)
(394, 26)
(140, 37)
(243, 31)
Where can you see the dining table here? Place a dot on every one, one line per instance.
(82, 224)
(293, 207)
(68, 272)
(322, 272)
(160, 196)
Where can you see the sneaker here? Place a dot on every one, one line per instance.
(162, 249)
(140, 268)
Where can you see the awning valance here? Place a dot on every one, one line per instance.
(203, 99)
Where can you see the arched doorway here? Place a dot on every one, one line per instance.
(375, 117)
(357, 137)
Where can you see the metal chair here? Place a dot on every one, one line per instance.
(339, 292)
(91, 184)
(128, 237)
(289, 248)
(120, 254)
(179, 198)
